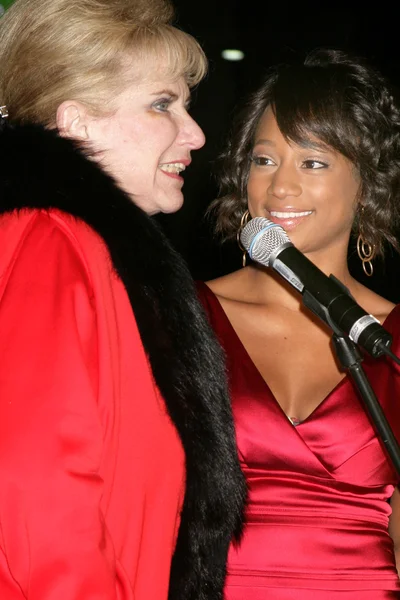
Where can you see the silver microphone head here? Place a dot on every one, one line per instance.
(261, 238)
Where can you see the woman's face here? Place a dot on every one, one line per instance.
(147, 143)
(311, 192)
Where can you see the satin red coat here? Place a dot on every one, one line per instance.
(92, 470)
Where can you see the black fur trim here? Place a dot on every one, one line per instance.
(39, 169)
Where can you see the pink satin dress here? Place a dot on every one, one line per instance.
(317, 516)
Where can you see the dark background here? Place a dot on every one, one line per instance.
(268, 34)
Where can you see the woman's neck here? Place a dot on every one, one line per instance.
(268, 286)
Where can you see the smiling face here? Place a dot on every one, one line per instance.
(146, 143)
(310, 191)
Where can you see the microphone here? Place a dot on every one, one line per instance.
(269, 245)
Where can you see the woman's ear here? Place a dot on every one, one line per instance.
(72, 120)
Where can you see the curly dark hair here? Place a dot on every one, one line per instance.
(346, 105)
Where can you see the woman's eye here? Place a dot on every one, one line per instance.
(162, 104)
(314, 164)
(262, 161)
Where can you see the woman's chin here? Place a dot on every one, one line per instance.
(153, 205)
(171, 204)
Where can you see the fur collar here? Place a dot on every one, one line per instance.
(39, 169)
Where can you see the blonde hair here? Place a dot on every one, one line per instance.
(57, 50)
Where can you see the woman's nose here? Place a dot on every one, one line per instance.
(192, 134)
(285, 182)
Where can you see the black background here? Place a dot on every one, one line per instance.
(268, 34)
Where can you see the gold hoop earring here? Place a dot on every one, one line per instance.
(366, 253)
(243, 222)
(365, 250)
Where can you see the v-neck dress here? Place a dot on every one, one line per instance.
(317, 515)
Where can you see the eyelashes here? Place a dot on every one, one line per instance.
(317, 164)
(310, 163)
(261, 161)
(162, 104)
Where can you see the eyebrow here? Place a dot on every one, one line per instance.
(173, 95)
(306, 144)
(264, 142)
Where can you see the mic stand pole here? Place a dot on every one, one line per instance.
(350, 358)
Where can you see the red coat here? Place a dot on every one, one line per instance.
(97, 314)
(79, 460)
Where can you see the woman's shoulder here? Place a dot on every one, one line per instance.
(19, 223)
(47, 247)
(231, 286)
(48, 231)
(218, 295)
(374, 304)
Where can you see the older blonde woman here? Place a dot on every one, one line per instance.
(119, 473)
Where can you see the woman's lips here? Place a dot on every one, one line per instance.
(289, 219)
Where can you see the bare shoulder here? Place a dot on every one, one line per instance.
(373, 303)
(233, 286)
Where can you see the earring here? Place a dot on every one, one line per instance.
(366, 253)
(243, 222)
(365, 250)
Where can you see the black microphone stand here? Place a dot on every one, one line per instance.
(350, 358)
